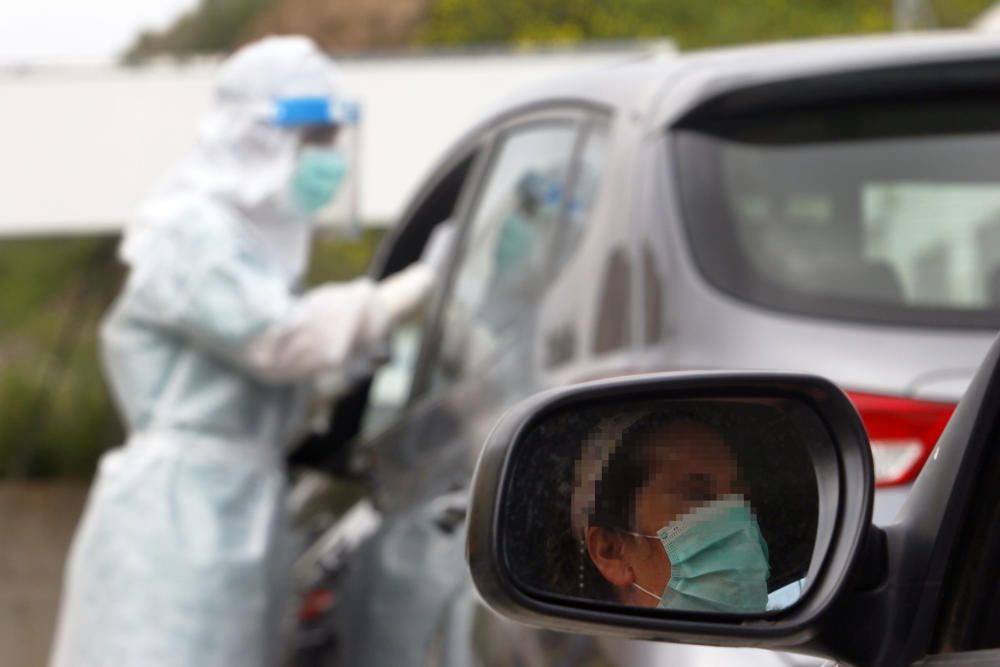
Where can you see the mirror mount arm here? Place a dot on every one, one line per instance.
(854, 629)
(872, 566)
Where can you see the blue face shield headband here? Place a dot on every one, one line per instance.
(299, 111)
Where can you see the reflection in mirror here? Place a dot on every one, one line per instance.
(707, 505)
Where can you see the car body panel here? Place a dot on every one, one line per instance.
(661, 89)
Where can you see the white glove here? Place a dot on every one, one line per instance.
(325, 329)
(437, 250)
(403, 293)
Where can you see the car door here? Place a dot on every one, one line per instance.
(967, 630)
(477, 353)
(474, 356)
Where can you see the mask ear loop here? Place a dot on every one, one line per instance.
(652, 595)
(648, 537)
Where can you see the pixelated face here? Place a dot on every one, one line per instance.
(691, 466)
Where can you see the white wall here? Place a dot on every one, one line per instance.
(80, 148)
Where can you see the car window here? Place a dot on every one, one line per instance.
(560, 346)
(392, 383)
(586, 180)
(955, 264)
(507, 249)
(885, 214)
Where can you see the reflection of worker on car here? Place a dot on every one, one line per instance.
(538, 200)
(511, 248)
(658, 506)
(518, 266)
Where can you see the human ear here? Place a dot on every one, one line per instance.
(607, 552)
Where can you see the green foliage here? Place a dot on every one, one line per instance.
(335, 258)
(215, 26)
(56, 416)
(218, 26)
(959, 13)
(689, 23)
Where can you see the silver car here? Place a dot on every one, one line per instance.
(830, 207)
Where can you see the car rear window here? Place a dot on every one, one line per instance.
(878, 211)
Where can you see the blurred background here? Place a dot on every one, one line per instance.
(100, 98)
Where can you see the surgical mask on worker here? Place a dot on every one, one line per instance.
(318, 177)
(718, 559)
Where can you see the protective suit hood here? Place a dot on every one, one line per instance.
(242, 159)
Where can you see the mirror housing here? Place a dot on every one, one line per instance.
(849, 463)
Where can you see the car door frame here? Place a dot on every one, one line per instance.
(486, 139)
(582, 113)
(895, 611)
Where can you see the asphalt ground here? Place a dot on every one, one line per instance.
(36, 524)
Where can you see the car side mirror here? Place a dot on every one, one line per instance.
(726, 509)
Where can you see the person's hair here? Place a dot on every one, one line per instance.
(629, 468)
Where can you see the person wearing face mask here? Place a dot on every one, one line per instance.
(536, 211)
(212, 352)
(660, 511)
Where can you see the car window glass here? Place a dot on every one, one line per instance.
(393, 381)
(508, 249)
(586, 180)
(957, 264)
(893, 221)
(925, 263)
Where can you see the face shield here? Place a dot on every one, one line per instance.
(329, 165)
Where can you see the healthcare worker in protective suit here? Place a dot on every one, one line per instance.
(181, 556)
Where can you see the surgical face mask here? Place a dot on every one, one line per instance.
(516, 239)
(718, 559)
(318, 177)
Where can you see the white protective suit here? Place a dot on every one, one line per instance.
(179, 558)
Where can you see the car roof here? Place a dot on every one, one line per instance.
(663, 87)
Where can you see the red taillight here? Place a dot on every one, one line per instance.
(902, 433)
(316, 603)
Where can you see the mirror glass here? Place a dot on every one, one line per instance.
(716, 505)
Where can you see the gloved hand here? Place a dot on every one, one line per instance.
(402, 293)
(437, 250)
